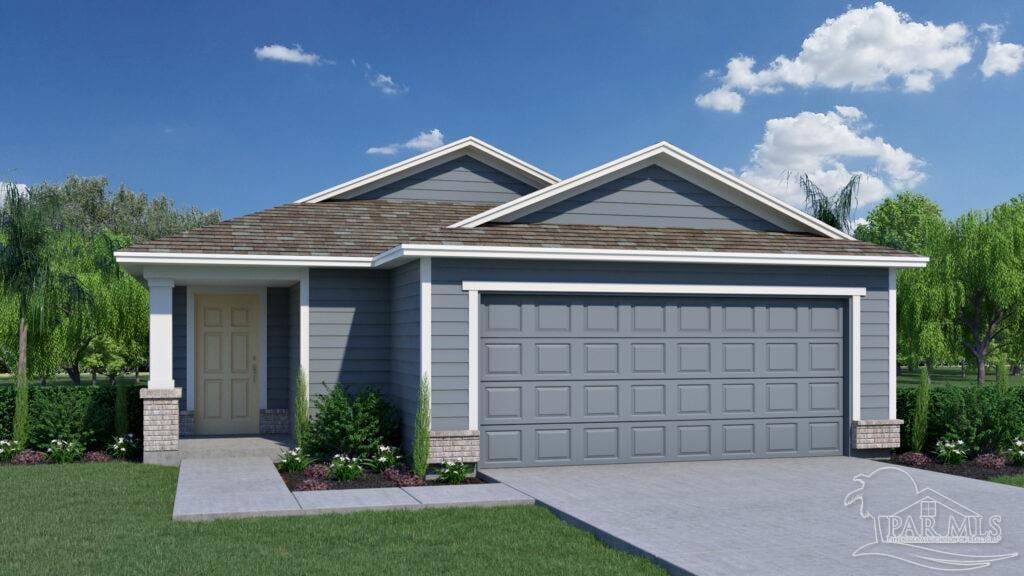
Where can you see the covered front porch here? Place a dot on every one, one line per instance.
(225, 346)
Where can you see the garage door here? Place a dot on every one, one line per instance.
(605, 379)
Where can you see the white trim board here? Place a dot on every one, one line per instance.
(473, 290)
(426, 324)
(395, 255)
(474, 147)
(126, 257)
(679, 161)
(893, 361)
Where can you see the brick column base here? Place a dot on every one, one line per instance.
(275, 421)
(454, 445)
(160, 425)
(872, 434)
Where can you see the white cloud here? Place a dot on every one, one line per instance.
(862, 49)
(386, 84)
(1001, 57)
(294, 55)
(421, 142)
(820, 145)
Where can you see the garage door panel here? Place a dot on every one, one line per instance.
(591, 400)
(652, 358)
(656, 441)
(599, 379)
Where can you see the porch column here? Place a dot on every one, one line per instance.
(160, 397)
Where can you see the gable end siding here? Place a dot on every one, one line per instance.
(651, 196)
(463, 179)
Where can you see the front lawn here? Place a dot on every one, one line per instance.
(116, 519)
(1011, 479)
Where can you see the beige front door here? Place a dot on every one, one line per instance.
(227, 353)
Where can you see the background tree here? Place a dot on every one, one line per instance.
(835, 210)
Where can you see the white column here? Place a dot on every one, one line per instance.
(160, 333)
(892, 344)
(304, 326)
(855, 356)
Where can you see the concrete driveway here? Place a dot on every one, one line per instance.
(783, 516)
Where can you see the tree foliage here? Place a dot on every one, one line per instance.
(835, 210)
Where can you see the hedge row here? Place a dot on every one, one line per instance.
(71, 412)
(985, 420)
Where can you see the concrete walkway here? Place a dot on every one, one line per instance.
(213, 488)
(784, 516)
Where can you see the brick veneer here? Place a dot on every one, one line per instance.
(160, 424)
(454, 445)
(275, 421)
(871, 434)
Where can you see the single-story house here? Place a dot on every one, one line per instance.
(654, 308)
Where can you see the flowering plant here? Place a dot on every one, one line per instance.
(294, 460)
(8, 448)
(1015, 453)
(122, 447)
(385, 457)
(453, 472)
(64, 451)
(344, 469)
(29, 457)
(950, 450)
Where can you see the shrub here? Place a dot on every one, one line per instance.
(989, 460)
(96, 456)
(123, 447)
(309, 484)
(951, 450)
(453, 472)
(64, 451)
(345, 469)
(20, 426)
(294, 460)
(1015, 453)
(357, 425)
(318, 471)
(27, 457)
(8, 448)
(85, 413)
(915, 459)
(421, 440)
(919, 432)
(300, 423)
(385, 457)
(978, 415)
(121, 409)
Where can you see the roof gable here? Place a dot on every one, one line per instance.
(462, 179)
(471, 147)
(678, 162)
(651, 197)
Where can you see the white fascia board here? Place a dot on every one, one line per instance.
(124, 257)
(477, 148)
(664, 256)
(758, 201)
(681, 289)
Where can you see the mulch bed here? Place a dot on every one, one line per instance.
(313, 479)
(969, 469)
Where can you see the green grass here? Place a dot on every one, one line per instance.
(1011, 479)
(951, 376)
(116, 519)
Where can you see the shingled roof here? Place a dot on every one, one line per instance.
(365, 228)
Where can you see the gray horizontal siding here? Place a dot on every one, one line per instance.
(179, 341)
(463, 179)
(651, 196)
(279, 339)
(349, 329)
(405, 345)
(450, 316)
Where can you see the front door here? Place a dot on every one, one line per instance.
(227, 353)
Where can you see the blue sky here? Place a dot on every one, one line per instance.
(172, 99)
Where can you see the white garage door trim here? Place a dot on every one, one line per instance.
(474, 289)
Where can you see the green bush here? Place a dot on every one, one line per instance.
(421, 441)
(300, 421)
(983, 417)
(83, 413)
(21, 413)
(919, 424)
(356, 425)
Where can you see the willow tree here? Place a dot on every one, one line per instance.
(979, 277)
(836, 210)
